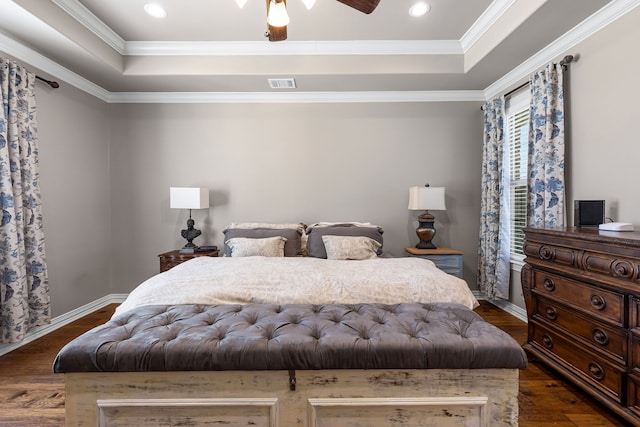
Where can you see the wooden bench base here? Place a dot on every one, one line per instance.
(336, 398)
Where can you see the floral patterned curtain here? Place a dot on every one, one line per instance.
(24, 284)
(493, 250)
(545, 186)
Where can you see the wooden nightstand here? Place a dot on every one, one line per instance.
(170, 259)
(446, 259)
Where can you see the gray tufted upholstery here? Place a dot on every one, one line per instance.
(280, 337)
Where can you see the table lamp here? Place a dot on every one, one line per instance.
(426, 198)
(189, 198)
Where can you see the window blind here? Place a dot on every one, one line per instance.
(517, 137)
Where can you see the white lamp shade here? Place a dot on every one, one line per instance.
(278, 16)
(426, 198)
(189, 198)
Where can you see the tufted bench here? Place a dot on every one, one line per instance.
(277, 337)
(399, 350)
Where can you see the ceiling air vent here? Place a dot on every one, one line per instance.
(282, 83)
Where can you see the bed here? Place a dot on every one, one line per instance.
(316, 340)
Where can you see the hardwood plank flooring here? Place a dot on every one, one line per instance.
(31, 395)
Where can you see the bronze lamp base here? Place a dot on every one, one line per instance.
(425, 231)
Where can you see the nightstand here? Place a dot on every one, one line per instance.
(446, 259)
(169, 260)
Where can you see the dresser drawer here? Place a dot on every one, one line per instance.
(168, 260)
(168, 265)
(634, 363)
(605, 376)
(451, 264)
(634, 394)
(610, 341)
(603, 304)
(634, 312)
(446, 259)
(552, 254)
(634, 376)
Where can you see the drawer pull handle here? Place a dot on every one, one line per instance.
(549, 284)
(598, 302)
(551, 313)
(547, 341)
(600, 336)
(596, 371)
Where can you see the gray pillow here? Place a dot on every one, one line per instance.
(293, 246)
(315, 245)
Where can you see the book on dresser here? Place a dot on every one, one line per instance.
(582, 292)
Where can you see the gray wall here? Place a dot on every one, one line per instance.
(604, 146)
(73, 130)
(290, 163)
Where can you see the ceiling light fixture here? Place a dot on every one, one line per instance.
(419, 9)
(155, 10)
(309, 3)
(278, 16)
(241, 3)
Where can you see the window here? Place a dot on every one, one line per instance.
(517, 136)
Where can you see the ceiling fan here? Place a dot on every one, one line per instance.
(277, 18)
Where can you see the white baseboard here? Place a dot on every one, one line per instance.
(65, 319)
(514, 310)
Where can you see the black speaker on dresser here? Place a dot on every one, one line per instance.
(588, 213)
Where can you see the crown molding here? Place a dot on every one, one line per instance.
(488, 18)
(30, 56)
(84, 16)
(362, 47)
(292, 97)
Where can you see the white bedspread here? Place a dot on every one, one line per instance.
(298, 280)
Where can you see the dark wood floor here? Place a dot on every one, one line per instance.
(31, 395)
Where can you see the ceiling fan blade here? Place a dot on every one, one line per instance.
(364, 6)
(277, 34)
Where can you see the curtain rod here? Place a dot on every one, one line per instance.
(53, 84)
(564, 63)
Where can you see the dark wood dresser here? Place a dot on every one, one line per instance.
(582, 292)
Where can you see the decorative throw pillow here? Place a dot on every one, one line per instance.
(350, 247)
(293, 246)
(268, 246)
(315, 245)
